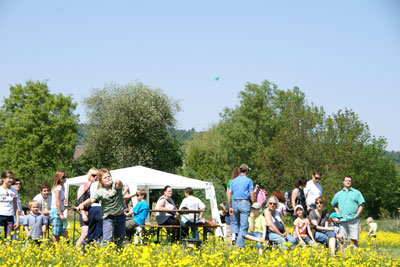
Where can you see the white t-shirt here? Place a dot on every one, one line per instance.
(192, 203)
(6, 201)
(312, 191)
(62, 197)
(44, 204)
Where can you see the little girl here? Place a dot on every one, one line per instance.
(57, 206)
(8, 204)
(372, 227)
(302, 227)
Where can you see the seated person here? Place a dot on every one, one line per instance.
(257, 226)
(302, 231)
(139, 212)
(191, 202)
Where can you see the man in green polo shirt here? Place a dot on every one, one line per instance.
(349, 203)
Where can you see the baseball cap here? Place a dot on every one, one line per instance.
(256, 205)
(244, 167)
(334, 214)
(298, 207)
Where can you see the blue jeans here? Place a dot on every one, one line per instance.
(114, 229)
(241, 210)
(306, 240)
(8, 223)
(257, 235)
(274, 237)
(233, 224)
(95, 224)
(323, 236)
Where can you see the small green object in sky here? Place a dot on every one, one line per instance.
(216, 78)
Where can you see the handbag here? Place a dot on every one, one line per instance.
(84, 197)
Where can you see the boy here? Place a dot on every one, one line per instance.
(334, 220)
(44, 199)
(35, 224)
(302, 230)
(257, 226)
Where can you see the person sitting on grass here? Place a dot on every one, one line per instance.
(302, 230)
(257, 226)
(372, 227)
(35, 223)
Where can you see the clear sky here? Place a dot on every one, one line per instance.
(342, 54)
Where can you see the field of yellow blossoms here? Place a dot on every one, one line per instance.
(212, 253)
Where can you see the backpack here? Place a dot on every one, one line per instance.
(84, 196)
(288, 201)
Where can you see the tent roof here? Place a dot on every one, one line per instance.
(146, 177)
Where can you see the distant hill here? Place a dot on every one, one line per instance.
(393, 155)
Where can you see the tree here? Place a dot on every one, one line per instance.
(129, 125)
(37, 133)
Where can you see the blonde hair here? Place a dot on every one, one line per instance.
(370, 220)
(101, 173)
(92, 170)
(32, 203)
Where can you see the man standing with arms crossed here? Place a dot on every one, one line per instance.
(349, 203)
(242, 190)
(313, 190)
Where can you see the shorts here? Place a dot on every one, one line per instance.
(350, 229)
(56, 222)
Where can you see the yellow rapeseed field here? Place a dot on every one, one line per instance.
(212, 253)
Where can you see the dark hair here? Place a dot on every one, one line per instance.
(347, 176)
(44, 185)
(235, 173)
(302, 181)
(143, 193)
(189, 190)
(317, 172)
(166, 187)
(279, 195)
(7, 173)
(16, 180)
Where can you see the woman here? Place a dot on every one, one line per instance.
(276, 230)
(57, 206)
(233, 226)
(112, 205)
(90, 221)
(298, 197)
(17, 186)
(8, 205)
(281, 206)
(167, 206)
(319, 225)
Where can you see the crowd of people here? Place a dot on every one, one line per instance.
(104, 214)
(262, 221)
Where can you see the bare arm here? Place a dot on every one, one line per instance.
(336, 210)
(26, 228)
(270, 224)
(229, 196)
(161, 205)
(81, 190)
(44, 230)
(252, 196)
(87, 202)
(118, 184)
(58, 205)
(310, 233)
(360, 209)
(16, 224)
(251, 223)
(295, 192)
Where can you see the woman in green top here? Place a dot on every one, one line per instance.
(112, 206)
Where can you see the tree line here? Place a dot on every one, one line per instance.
(276, 132)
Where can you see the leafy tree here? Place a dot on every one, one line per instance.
(37, 133)
(129, 125)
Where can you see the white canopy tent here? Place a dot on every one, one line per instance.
(139, 177)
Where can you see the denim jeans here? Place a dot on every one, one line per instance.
(233, 224)
(274, 237)
(257, 235)
(114, 229)
(323, 236)
(241, 210)
(95, 225)
(8, 223)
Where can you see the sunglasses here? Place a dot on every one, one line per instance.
(17, 184)
(319, 203)
(272, 203)
(94, 175)
(317, 178)
(64, 177)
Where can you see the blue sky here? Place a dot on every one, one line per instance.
(342, 54)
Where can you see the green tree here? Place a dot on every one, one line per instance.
(37, 134)
(129, 125)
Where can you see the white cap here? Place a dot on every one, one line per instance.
(298, 207)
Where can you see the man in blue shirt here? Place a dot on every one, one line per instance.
(139, 212)
(349, 203)
(242, 190)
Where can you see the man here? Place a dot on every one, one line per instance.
(242, 190)
(139, 212)
(191, 202)
(313, 190)
(349, 203)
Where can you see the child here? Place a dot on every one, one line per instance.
(334, 220)
(8, 204)
(302, 230)
(372, 227)
(257, 226)
(35, 224)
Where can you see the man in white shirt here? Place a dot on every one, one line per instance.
(313, 190)
(191, 202)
